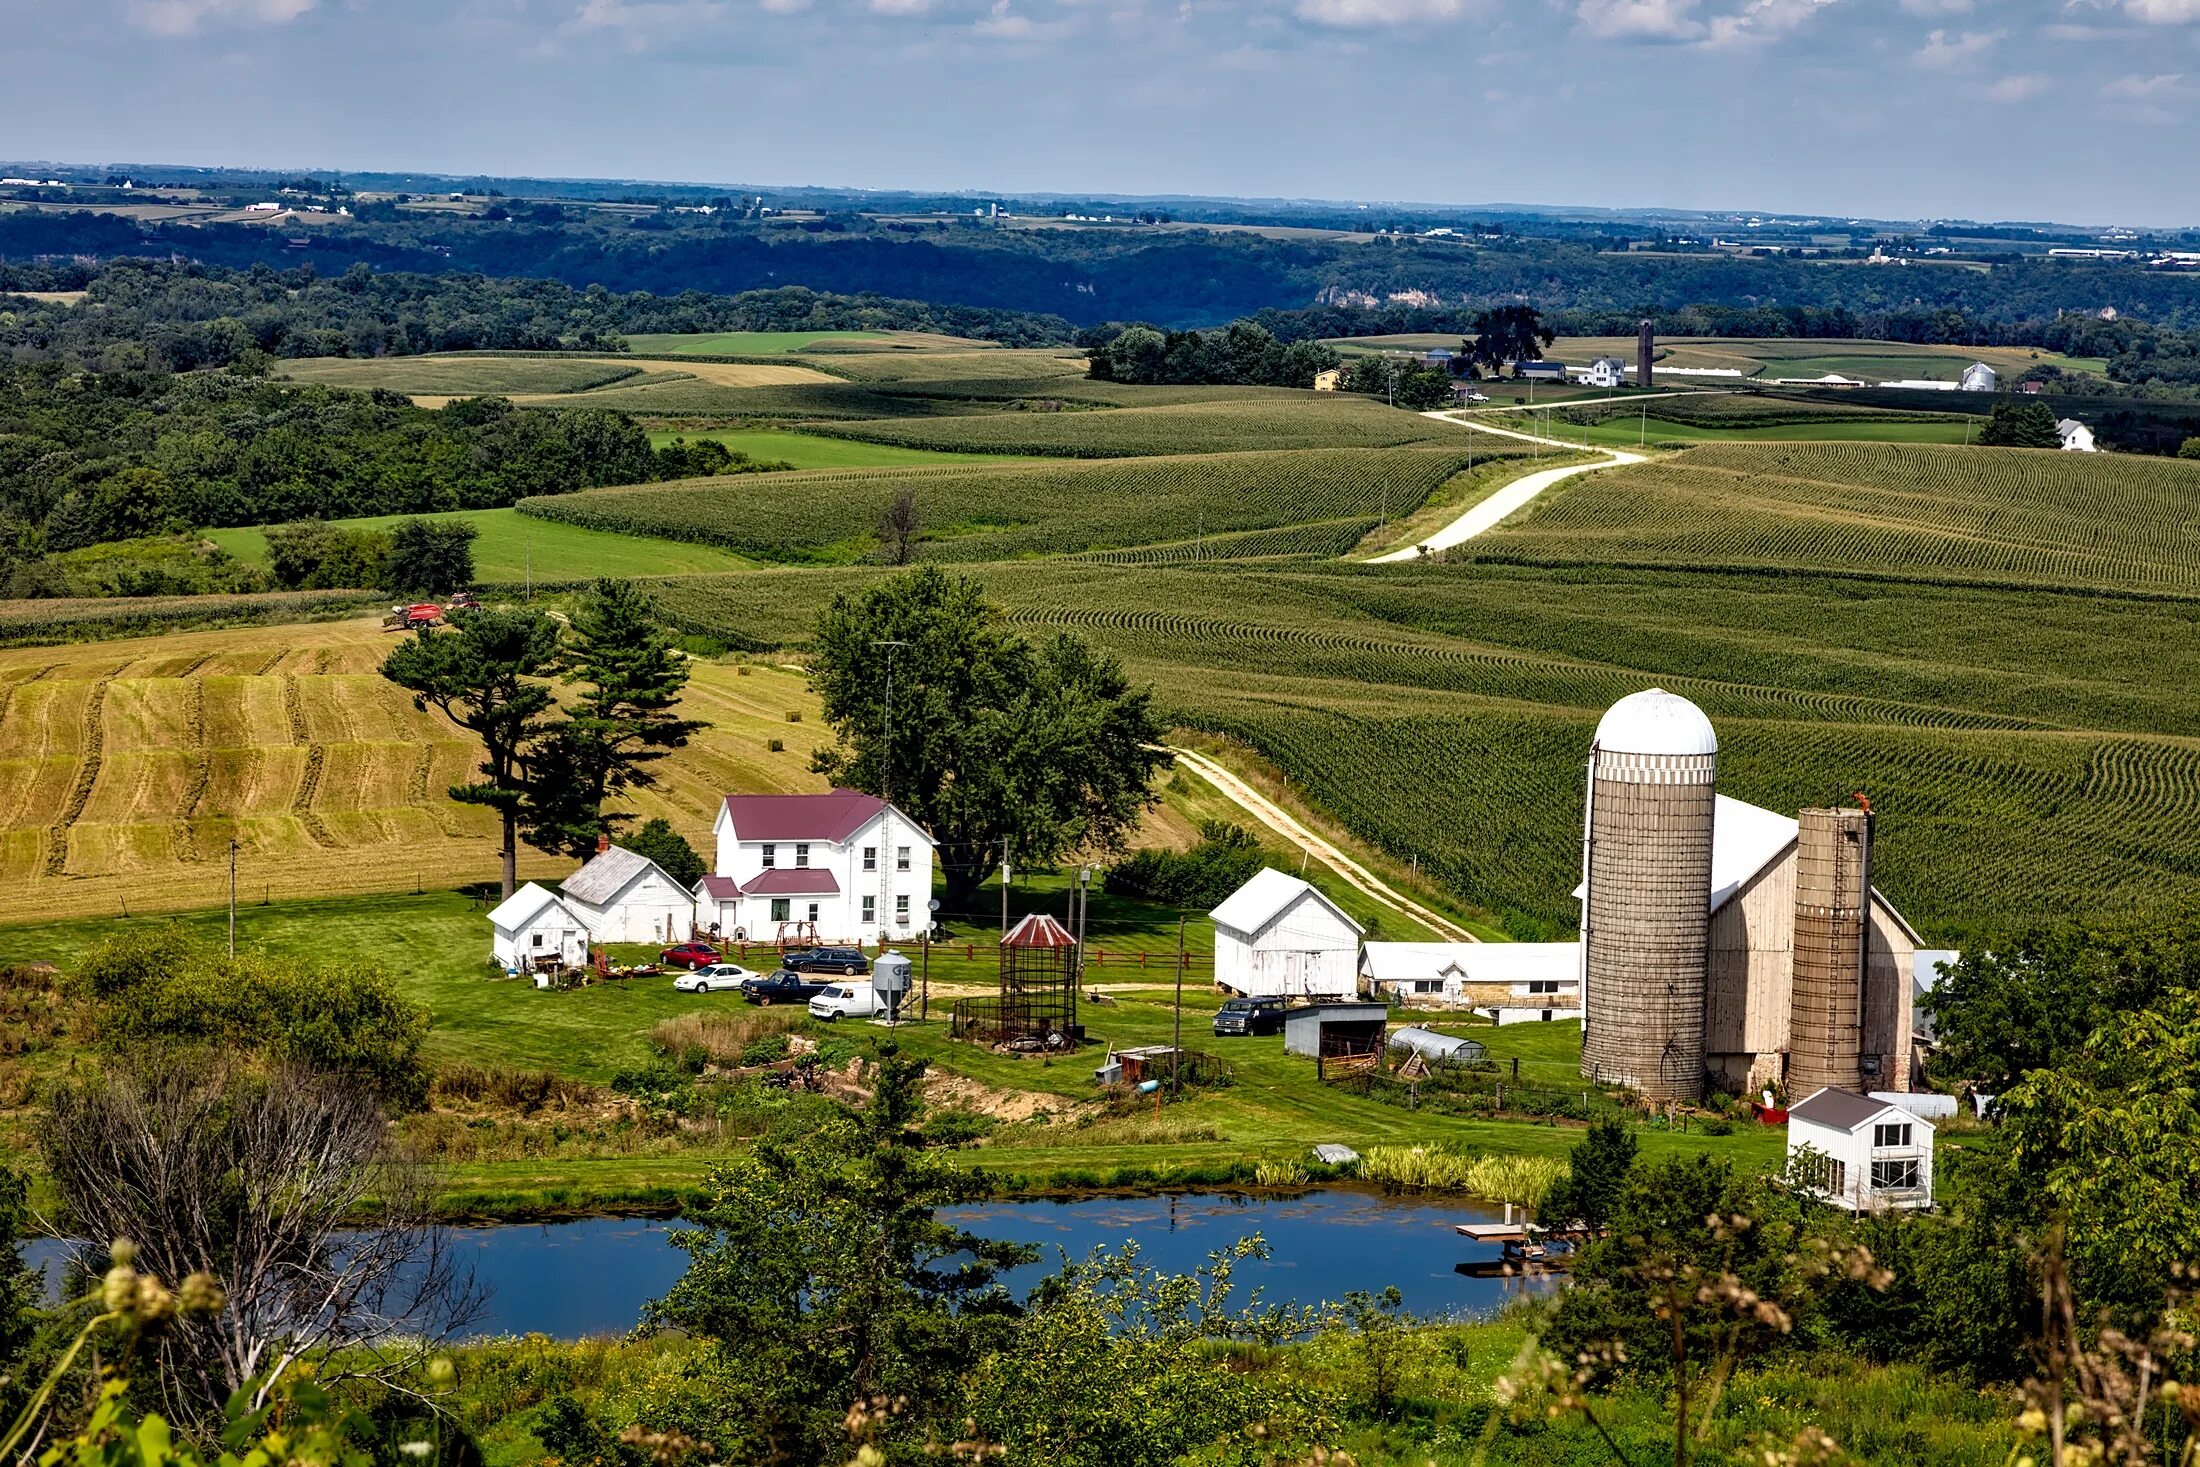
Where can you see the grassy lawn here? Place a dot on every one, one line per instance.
(511, 547)
(813, 451)
(738, 343)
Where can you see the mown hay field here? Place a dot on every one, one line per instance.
(127, 767)
(997, 512)
(1290, 420)
(2033, 515)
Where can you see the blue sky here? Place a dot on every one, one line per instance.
(2076, 110)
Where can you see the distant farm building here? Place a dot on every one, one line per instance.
(1606, 372)
(1511, 982)
(1336, 1031)
(624, 897)
(1978, 377)
(2076, 436)
(1831, 379)
(1861, 1153)
(1328, 379)
(1540, 371)
(1278, 937)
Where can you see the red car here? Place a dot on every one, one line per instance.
(689, 955)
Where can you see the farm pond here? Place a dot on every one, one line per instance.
(592, 1276)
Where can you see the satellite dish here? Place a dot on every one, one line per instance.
(933, 905)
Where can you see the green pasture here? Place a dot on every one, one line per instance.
(511, 548)
(738, 343)
(815, 451)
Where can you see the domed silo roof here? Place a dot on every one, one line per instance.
(1656, 722)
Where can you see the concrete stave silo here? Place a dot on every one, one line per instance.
(1647, 892)
(1832, 939)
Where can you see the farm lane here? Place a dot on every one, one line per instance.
(1489, 511)
(1281, 821)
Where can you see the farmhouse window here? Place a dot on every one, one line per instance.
(870, 909)
(781, 909)
(901, 910)
(813, 913)
(901, 858)
(537, 937)
(1428, 985)
(1823, 1172)
(1894, 1176)
(1891, 1133)
(801, 854)
(870, 858)
(771, 855)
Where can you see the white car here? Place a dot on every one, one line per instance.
(711, 978)
(847, 1000)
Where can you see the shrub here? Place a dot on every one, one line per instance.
(1226, 857)
(723, 1036)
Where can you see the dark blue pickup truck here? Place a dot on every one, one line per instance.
(783, 987)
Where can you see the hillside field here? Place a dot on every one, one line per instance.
(775, 343)
(511, 549)
(814, 450)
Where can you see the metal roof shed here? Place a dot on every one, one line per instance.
(1334, 1028)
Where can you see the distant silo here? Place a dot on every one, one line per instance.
(1646, 910)
(1833, 881)
(1646, 343)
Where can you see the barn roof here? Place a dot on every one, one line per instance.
(830, 817)
(522, 905)
(1266, 896)
(1038, 930)
(793, 881)
(608, 873)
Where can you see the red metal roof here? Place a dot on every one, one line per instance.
(793, 881)
(829, 817)
(719, 888)
(1038, 930)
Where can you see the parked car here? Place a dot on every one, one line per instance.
(849, 960)
(689, 955)
(1250, 1016)
(783, 987)
(847, 1001)
(712, 977)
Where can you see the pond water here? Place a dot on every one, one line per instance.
(592, 1276)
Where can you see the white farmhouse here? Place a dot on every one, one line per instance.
(624, 897)
(2076, 436)
(1606, 372)
(1512, 982)
(1278, 937)
(838, 867)
(1862, 1153)
(534, 924)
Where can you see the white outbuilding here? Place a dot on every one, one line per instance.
(535, 924)
(2076, 436)
(1860, 1152)
(1278, 937)
(1512, 982)
(626, 897)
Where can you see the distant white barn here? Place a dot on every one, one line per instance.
(1862, 1153)
(2076, 436)
(1512, 982)
(1278, 937)
(1978, 377)
(533, 924)
(625, 897)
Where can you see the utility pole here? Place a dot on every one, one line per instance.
(232, 896)
(1176, 1042)
(1004, 887)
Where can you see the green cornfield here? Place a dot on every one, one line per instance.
(1249, 419)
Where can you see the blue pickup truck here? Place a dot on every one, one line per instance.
(783, 987)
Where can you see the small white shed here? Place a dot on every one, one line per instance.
(1278, 937)
(1862, 1153)
(534, 923)
(1512, 982)
(625, 897)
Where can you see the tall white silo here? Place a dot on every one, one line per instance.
(1646, 909)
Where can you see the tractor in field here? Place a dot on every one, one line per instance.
(412, 618)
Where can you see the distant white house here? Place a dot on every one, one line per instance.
(1861, 1153)
(535, 923)
(1978, 377)
(1511, 982)
(1278, 937)
(625, 897)
(837, 867)
(268, 208)
(1606, 372)
(1328, 379)
(2076, 436)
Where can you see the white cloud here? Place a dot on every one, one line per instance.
(1003, 23)
(1355, 13)
(900, 7)
(2163, 12)
(2149, 99)
(1640, 20)
(1943, 49)
(1762, 20)
(638, 25)
(1938, 7)
(784, 7)
(2021, 88)
(182, 17)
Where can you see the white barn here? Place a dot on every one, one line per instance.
(1862, 1153)
(625, 897)
(2076, 436)
(837, 867)
(1278, 937)
(1978, 377)
(535, 923)
(1512, 982)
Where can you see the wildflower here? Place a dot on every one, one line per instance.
(201, 1293)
